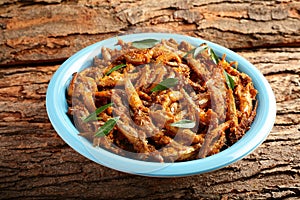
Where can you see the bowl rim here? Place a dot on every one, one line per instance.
(56, 107)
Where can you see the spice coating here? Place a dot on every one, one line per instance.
(168, 102)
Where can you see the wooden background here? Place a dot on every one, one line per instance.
(36, 36)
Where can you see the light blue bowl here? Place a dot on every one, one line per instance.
(57, 107)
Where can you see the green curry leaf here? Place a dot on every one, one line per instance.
(107, 127)
(165, 84)
(213, 56)
(145, 44)
(115, 68)
(185, 123)
(93, 115)
(229, 80)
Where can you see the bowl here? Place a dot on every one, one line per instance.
(57, 107)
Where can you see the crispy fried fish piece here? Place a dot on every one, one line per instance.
(138, 56)
(133, 97)
(213, 136)
(82, 87)
(175, 151)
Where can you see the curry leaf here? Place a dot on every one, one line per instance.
(200, 49)
(229, 80)
(185, 123)
(213, 56)
(145, 44)
(165, 84)
(107, 127)
(93, 115)
(115, 68)
(192, 51)
(195, 51)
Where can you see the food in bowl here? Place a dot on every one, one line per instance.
(163, 101)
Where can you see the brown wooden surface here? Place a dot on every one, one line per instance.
(36, 36)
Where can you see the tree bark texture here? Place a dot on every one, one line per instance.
(36, 36)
